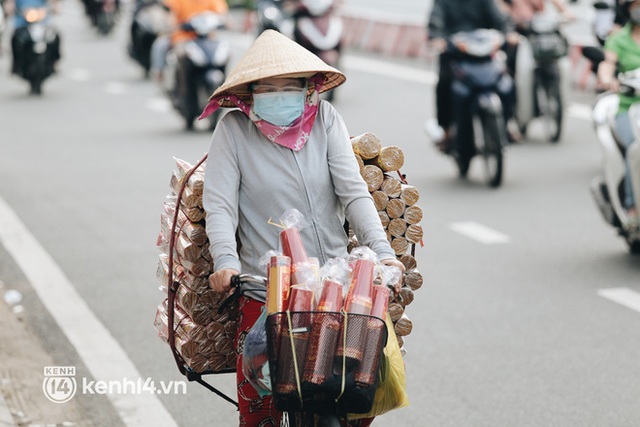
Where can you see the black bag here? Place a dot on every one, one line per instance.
(548, 46)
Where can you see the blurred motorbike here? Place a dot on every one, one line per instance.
(318, 29)
(149, 20)
(272, 16)
(608, 189)
(537, 78)
(191, 78)
(37, 48)
(481, 77)
(105, 15)
(102, 14)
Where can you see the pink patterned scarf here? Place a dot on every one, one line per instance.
(293, 136)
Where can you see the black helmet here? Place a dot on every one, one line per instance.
(624, 8)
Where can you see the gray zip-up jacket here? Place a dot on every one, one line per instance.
(250, 179)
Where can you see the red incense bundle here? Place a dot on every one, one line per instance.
(293, 247)
(358, 302)
(366, 372)
(325, 330)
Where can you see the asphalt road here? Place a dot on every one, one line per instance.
(509, 333)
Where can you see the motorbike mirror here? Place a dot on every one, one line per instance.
(627, 90)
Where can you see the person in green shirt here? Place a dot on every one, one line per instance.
(622, 53)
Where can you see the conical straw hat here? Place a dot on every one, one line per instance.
(274, 55)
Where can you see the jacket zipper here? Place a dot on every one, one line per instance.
(322, 255)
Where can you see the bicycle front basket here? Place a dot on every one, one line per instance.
(318, 357)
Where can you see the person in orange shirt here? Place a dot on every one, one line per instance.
(181, 12)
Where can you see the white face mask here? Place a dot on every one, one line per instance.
(634, 15)
(279, 108)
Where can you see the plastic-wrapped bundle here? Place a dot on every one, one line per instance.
(325, 333)
(193, 342)
(203, 337)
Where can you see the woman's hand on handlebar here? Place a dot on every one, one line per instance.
(610, 83)
(395, 263)
(512, 38)
(220, 281)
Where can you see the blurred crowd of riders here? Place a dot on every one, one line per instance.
(486, 96)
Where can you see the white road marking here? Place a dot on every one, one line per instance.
(580, 111)
(115, 88)
(159, 105)
(103, 356)
(80, 75)
(387, 69)
(479, 232)
(622, 296)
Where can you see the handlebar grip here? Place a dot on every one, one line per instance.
(235, 281)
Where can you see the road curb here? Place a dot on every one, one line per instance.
(390, 35)
(399, 35)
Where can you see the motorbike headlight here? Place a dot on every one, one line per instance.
(271, 13)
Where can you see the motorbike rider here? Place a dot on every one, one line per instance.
(521, 13)
(280, 118)
(622, 54)
(446, 18)
(20, 33)
(92, 9)
(181, 12)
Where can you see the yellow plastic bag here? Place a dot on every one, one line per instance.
(392, 387)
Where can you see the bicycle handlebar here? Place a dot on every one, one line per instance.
(257, 289)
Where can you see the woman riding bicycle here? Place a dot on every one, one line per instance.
(283, 148)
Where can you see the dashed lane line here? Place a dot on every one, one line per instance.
(159, 105)
(390, 70)
(101, 353)
(115, 88)
(80, 75)
(480, 233)
(580, 111)
(623, 296)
